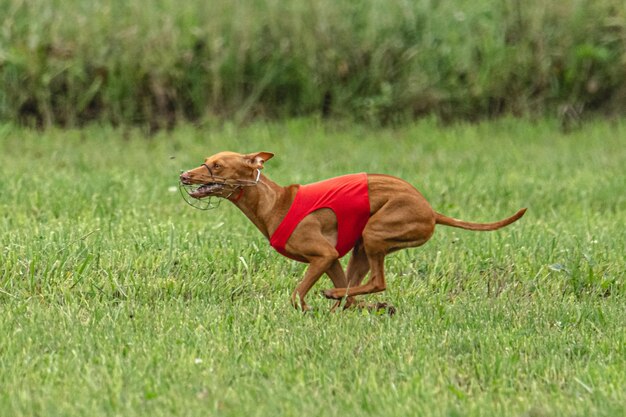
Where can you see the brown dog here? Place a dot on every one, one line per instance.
(399, 217)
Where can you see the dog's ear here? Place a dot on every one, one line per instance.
(256, 160)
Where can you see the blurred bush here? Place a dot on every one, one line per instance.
(67, 62)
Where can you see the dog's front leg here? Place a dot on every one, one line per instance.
(339, 279)
(317, 266)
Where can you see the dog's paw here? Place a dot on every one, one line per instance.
(331, 294)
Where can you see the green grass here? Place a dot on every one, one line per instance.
(68, 62)
(117, 299)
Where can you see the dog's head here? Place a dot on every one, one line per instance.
(223, 173)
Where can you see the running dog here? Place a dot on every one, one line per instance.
(371, 215)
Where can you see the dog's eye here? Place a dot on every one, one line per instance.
(217, 166)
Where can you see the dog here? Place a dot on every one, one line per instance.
(371, 215)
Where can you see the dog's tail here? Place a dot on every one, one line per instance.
(449, 221)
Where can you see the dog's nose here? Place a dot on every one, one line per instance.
(184, 177)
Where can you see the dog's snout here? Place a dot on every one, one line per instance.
(185, 177)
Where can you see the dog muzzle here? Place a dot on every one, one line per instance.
(204, 196)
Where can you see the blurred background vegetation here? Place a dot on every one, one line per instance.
(70, 62)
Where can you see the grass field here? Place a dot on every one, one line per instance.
(70, 62)
(117, 299)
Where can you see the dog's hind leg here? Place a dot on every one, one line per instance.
(396, 225)
(376, 282)
(358, 267)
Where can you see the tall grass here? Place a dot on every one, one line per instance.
(71, 61)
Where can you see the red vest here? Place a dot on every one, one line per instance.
(347, 196)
